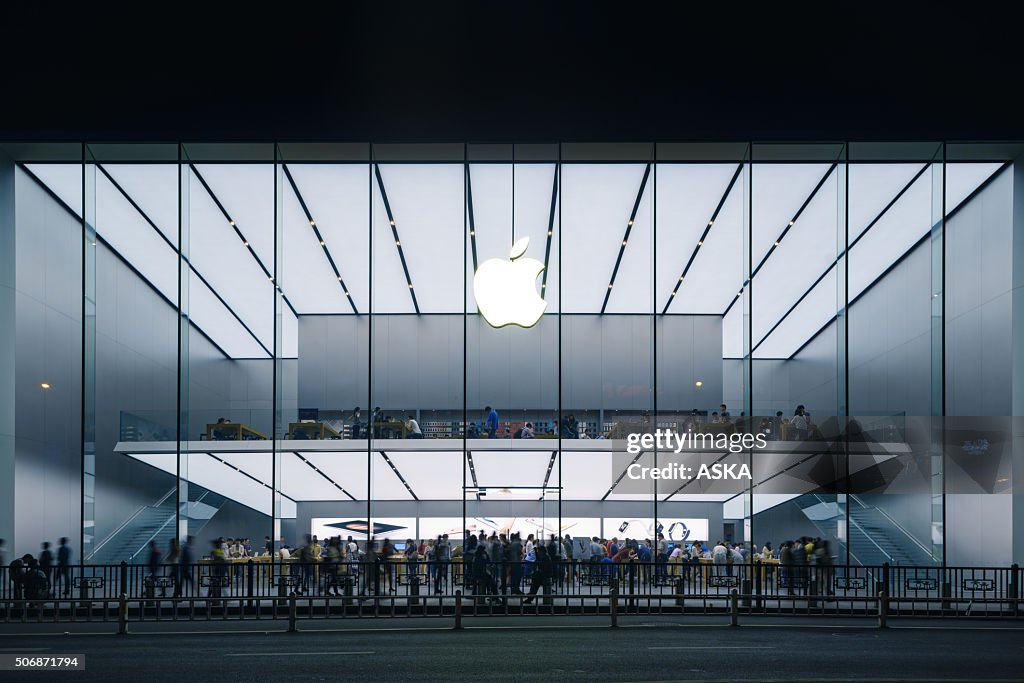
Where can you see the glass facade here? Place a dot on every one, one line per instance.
(253, 340)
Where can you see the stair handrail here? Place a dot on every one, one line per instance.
(128, 521)
(852, 521)
(896, 524)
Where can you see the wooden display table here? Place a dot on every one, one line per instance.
(232, 431)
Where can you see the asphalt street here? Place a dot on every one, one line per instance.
(536, 650)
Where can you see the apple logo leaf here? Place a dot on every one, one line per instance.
(519, 248)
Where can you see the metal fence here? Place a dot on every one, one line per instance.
(277, 590)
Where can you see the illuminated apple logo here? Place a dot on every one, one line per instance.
(506, 291)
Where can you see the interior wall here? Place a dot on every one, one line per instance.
(418, 362)
(48, 337)
(8, 350)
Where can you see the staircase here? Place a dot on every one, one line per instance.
(131, 538)
(877, 538)
(873, 536)
(129, 541)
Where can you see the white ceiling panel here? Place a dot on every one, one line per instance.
(963, 178)
(299, 481)
(247, 193)
(227, 264)
(349, 470)
(427, 202)
(129, 234)
(816, 309)
(385, 483)
(634, 283)
(807, 251)
(523, 468)
(872, 187)
(64, 180)
(596, 203)
(338, 198)
(533, 185)
(433, 475)
(309, 281)
(687, 197)
(154, 187)
(717, 271)
(779, 190)
(896, 231)
(586, 475)
(213, 318)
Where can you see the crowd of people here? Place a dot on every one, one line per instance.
(35, 578)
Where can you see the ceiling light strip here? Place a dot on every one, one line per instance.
(703, 237)
(238, 232)
(472, 221)
(320, 238)
(551, 230)
(399, 475)
(184, 258)
(324, 475)
(547, 475)
(778, 240)
(842, 254)
(394, 232)
(625, 238)
(924, 238)
(472, 473)
(243, 472)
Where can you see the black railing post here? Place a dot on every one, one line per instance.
(734, 608)
(122, 613)
(746, 572)
(250, 578)
(758, 578)
(292, 613)
(883, 609)
(124, 577)
(458, 609)
(613, 595)
(1013, 589)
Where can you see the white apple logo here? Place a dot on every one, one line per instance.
(506, 291)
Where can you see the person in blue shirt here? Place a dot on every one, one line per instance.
(492, 422)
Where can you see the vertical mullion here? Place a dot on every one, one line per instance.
(369, 357)
(465, 333)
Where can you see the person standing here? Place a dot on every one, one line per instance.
(63, 567)
(541, 576)
(46, 561)
(184, 568)
(492, 422)
(443, 556)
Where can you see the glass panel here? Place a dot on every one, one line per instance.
(132, 264)
(231, 381)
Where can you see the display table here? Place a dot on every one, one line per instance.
(311, 430)
(232, 431)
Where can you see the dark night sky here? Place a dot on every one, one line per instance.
(513, 71)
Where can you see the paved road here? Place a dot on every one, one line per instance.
(498, 651)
